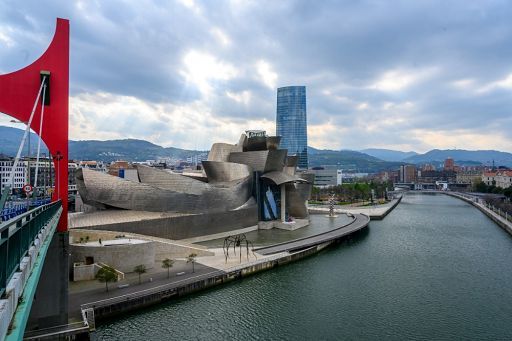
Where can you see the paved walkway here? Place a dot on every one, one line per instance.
(479, 203)
(373, 211)
(208, 266)
(359, 222)
(90, 291)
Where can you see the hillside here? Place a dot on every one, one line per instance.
(141, 150)
(110, 150)
(460, 156)
(10, 139)
(388, 154)
(129, 149)
(349, 160)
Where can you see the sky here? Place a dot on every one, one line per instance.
(405, 75)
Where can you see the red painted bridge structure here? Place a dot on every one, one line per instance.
(18, 91)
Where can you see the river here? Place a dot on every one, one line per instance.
(435, 268)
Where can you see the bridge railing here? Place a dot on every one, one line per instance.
(17, 236)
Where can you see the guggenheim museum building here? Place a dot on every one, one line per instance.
(252, 182)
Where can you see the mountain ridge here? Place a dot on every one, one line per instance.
(388, 154)
(131, 149)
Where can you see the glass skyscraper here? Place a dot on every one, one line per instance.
(291, 123)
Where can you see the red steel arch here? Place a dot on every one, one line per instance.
(18, 92)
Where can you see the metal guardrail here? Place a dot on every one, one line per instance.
(17, 236)
(15, 208)
(483, 202)
(58, 332)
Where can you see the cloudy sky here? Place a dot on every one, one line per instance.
(407, 75)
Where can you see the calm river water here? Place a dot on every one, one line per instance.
(434, 269)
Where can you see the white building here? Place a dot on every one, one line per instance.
(94, 165)
(196, 159)
(325, 177)
(489, 178)
(20, 174)
(503, 179)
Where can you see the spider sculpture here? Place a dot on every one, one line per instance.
(237, 241)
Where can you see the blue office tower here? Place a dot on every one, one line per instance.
(291, 123)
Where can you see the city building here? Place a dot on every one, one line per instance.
(431, 177)
(94, 165)
(197, 159)
(407, 173)
(468, 177)
(489, 178)
(45, 174)
(326, 176)
(428, 167)
(123, 169)
(503, 178)
(449, 164)
(291, 122)
(20, 176)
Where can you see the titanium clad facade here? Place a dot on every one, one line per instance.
(242, 185)
(291, 122)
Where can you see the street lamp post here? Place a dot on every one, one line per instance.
(57, 157)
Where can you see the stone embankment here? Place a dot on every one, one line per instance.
(503, 222)
(375, 212)
(268, 258)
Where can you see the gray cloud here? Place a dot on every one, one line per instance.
(342, 52)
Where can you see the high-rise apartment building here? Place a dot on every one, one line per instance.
(291, 122)
(407, 173)
(449, 164)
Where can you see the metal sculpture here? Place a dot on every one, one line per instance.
(331, 206)
(18, 91)
(235, 241)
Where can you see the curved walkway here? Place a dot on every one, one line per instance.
(503, 222)
(375, 212)
(360, 221)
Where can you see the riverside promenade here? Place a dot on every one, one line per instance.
(504, 222)
(375, 212)
(209, 271)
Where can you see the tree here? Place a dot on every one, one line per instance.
(106, 274)
(140, 269)
(315, 191)
(192, 259)
(167, 264)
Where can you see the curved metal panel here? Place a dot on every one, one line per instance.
(296, 196)
(97, 188)
(256, 143)
(221, 151)
(282, 177)
(217, 171)
(273, 142)
(292, 160)
(171, 181)
(261, 160)
(256, 160)
(276, 160)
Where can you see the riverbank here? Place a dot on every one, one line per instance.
(228, 270)
(434, 269)
(375, 212)
(478, 203)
